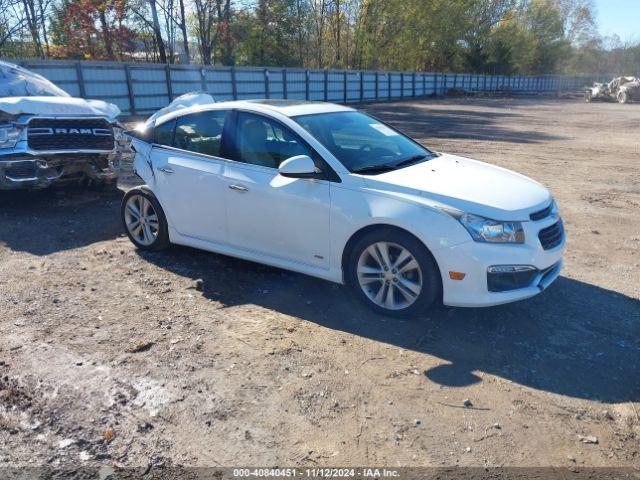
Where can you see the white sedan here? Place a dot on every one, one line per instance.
(332, 192)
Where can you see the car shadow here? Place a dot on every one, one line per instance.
(41, 222)
(574, 339)
(460, 120)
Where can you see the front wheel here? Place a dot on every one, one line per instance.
(144, 220)
(623, 97)
(393, 273)
(588, 96)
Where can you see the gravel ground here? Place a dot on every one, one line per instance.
(114, 357)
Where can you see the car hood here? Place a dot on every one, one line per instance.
(468, 185)
(58, 106)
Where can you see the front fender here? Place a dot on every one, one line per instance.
(353, 211)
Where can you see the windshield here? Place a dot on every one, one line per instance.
(18, 82)
(362, 143)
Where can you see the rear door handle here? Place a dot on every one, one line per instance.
(168, 171)
(238, 188)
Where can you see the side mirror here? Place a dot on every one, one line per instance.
(301, 166)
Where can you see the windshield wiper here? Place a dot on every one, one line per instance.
(410, 160)
(391, 166)
(374, 168)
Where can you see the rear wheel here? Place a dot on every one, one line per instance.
(588, 96)
(623, 97)
(144, 220)
(393, 273)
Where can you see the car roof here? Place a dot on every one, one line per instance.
(289, 108)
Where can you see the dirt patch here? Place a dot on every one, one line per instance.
(111, 356)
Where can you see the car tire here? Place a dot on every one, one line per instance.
(623, 97)
(144, 220)
(588, 96)
(371, 273)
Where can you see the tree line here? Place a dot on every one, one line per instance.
(504, 37)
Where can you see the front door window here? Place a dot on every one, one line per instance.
(261, 141)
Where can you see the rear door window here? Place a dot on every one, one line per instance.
(200, 132)
(163, 134)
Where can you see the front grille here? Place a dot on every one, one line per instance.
(552, 236)
(544, 213)
(70, 134)
(20, 171)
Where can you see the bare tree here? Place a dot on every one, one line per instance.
(157, 31)
(12, 20)
(183, 28)
(212, 16)
(319, 15)
(31, 18)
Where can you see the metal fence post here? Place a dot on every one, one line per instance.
(326, 85)
(401, 84)
(307, 78)
(203, 79)
(413, 84)
(435, 84)
(167, 73)
(377, 85)
(388, 85)
(81, 86)
(285, 93)
(345, 85)
(132, 100)
(266, 83)
(361, 87)
(234, 87)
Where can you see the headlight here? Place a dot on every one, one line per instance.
(123, 141)
(9, 136)
(491, 231)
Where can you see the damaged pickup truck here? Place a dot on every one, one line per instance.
(620, 89)
(48, 137)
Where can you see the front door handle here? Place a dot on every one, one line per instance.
(168, 171)
(238, 188)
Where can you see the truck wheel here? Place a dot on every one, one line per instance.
(623, 97)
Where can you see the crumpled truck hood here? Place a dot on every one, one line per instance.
(58, 106)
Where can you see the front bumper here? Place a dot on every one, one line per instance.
(27, 167)
(474, 259)
(40, 172)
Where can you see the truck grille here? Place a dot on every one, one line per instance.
(550, 237)
(70, 134)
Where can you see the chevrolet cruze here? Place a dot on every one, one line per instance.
(332, 192)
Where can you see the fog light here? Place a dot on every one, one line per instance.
(510, 268)
(503, 278)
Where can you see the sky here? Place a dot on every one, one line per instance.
(621, 17)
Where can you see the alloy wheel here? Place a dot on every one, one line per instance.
(141, 220)
(389, 275)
